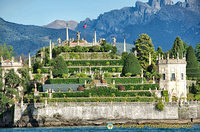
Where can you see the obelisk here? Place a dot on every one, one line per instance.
(50, 50)
(67, 35)
(124, 44)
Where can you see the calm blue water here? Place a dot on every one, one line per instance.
(194, 128)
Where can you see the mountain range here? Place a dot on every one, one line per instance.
(162, 20)
(59, 24)
(28, 37)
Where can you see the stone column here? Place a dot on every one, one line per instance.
(149, 58)
(43, 52)
(124, 44)
(177, 56)
(142, 73)
(1, 59)
(50, 50)
(22, 102)
(3, 78)
(59, 41)
(41, 55)
(20, 59)
(45, 103)
(67, 35)
(95, 37)
(29, 66)
(90, 70)
(153, 80)
(114, 41)
(135, 53)
(78, 37)
(51, 75)
(113, 82)
(52, 45)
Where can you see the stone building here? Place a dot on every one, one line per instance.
(6, 65)
(173, 78)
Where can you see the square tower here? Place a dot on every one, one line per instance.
(173, 78)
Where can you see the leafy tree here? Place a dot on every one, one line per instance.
(66, 48)
(78, 49)
(159, 51)
(36, 66)
(9, 94)
(25, 78)
(56, 51)
(6, 51)
(131, 65)
(185, 47)
(39, 71)
(12, 80)
(197, 52)
(192, 68)
(59, 67)
(124, 56)
(194, 89)
(38, 77)
(144, 46)
(114, 50)
(107, 47)
(152, 71)
(95, 48)
(178, 47)
(64, 75)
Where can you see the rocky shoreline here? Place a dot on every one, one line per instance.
(55, 122)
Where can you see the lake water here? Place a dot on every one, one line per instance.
(194, 128)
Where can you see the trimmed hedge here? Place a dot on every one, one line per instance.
(44, 94)
(140, 87)
(86, 55)
(70, 94)
(134, 99)
(94, 62)
(101, 92)
(109, 69)
(124, 80)
(67, 81)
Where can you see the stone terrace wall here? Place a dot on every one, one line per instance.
(189, 111)
(96, 111)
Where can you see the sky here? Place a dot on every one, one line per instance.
(42, 12)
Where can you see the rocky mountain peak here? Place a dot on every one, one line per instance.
(159, 3)
(59, 24)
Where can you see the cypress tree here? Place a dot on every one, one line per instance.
(177, 48)
(197, 51)
(131, 65)
(59, 67)
(192, 68)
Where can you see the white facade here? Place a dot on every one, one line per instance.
(6, 65)
(173, 78)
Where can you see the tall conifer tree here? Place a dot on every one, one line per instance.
(178, 47)
(131, 65)
(192, 68)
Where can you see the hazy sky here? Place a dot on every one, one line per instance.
(41, 12)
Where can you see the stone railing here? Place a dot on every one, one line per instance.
(172, 61)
